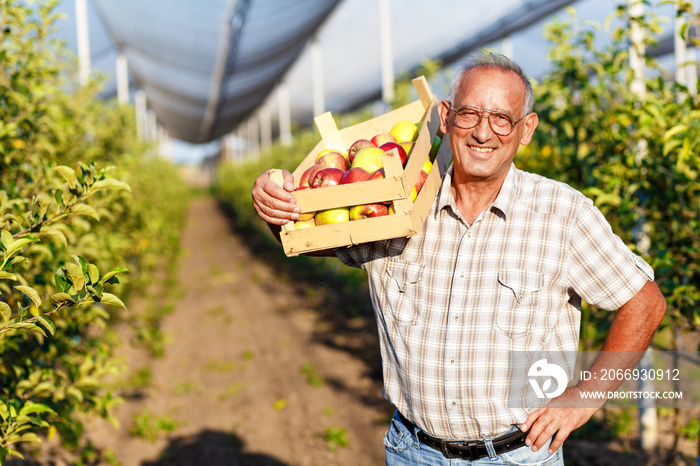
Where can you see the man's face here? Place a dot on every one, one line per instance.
(479, 153)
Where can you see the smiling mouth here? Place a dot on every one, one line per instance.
(483, 150)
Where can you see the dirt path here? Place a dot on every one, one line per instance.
(243, 375)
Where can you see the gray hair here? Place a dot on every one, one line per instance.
(496, 60)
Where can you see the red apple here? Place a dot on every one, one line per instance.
(357, 146)
(381, 138)
(308, 175)
(327, 177)
(377, 175)
(422, 176)
(387, 146)
(369, 158)
(354, 175)
(333, 159)
(368, 210)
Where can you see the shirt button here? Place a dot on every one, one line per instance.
(452, 361)
(454, 403)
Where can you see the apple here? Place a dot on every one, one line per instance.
(354, 175)
(392, 210)
(299, 224)
(327, 177)
(308, 175)
(404, 131)
(357, 146)
(377, 175)
(387, 146)
(422, 176)
(381, 138)
(333, 159)
(407, 147)
(369, 158)
(368, 211)
(329, 216)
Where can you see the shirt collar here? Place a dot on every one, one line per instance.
(503, 202)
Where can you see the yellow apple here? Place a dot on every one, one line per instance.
(404, 131)
(339, 215)
(299, 224)
(369, 158)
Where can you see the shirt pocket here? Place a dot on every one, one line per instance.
(518, 300)
(404, 290)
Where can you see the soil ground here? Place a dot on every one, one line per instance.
(253, 374)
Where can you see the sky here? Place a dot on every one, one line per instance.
(350, 54)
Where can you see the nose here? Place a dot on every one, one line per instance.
(482, 131)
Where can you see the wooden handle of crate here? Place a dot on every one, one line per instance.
(423, 90)
(277, 177)
(329, 132)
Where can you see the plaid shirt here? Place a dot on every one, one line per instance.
(454, 300)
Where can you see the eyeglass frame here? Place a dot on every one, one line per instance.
(482, 112)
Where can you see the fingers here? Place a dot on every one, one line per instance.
(544, 428)
(274, 203)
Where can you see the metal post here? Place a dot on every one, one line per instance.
(507, 47)
(679, 51)
(122, 71)
(285, 113)
(265, 127)
(141, 114)
(386, 56)
(83, 36)
(317, 92)
(648, 433)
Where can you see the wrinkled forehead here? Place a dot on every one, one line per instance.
(491, 87)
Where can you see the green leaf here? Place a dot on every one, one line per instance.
(7, 276)
(5, 311)
(112, 273)
(6, 238)
(62, 298)
(62, 284)
(32, 408)
(75, 275)
(47, 322)
(31, 293)
(93, 273)
(84, 209)
(110, 183)
(20, 243)
(109, 298)
(68, 174)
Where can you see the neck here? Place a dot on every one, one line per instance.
(474, 197)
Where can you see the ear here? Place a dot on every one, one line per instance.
(530, 123)
(444, 112)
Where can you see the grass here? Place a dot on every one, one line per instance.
(149, 427)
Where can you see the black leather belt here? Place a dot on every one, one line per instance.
(468, 450)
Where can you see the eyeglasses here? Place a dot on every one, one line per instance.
(501, 123)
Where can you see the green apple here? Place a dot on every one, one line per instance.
(369, 158)
(329, 216)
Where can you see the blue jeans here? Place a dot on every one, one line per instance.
(402, 448)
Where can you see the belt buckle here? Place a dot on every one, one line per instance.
(471, 446)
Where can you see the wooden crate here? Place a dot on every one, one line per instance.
(395, 187)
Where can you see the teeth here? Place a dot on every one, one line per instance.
(483, 149)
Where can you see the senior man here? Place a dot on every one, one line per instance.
(501, 265)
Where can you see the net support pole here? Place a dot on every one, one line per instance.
(83, 38)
